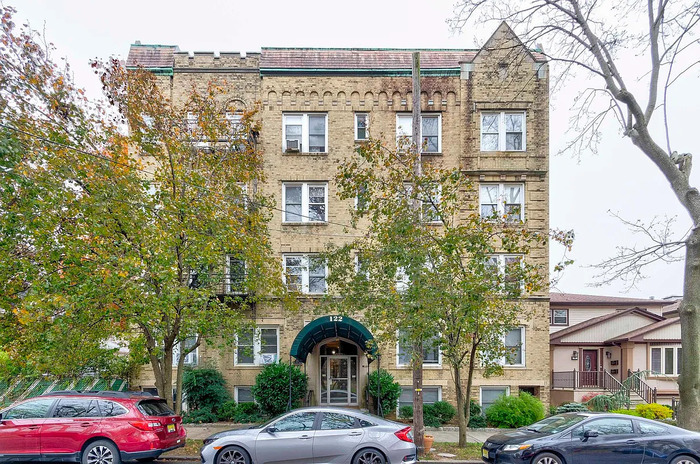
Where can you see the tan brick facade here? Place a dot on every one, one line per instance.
(502, 76)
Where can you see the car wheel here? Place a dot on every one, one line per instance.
(369, 456)
(684, 460)
(233, 455)
(100, 452)
(547, 458)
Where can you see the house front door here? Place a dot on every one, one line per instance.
(589, 368)
(339, 380)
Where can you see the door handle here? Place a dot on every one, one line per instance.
(304, 437)
(631, 442)
(86, 424)
(33, 427)
(355, 434)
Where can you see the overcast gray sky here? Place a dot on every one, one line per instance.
(582, 190)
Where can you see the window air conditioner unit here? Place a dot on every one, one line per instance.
(268, 358)
(293, 145)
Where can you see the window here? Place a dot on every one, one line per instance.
(235, 275)
(337, 421)
(489, 395)
(305, 133)
(504, 131)
(431, 351)
(255, 347)
(559, 317)
(666, 360)
(607, 426)
(305, 202)
(243, 395)
(431, 129)
(192, 121)
(30, 410)
(504, 201)
(361, 126)
(305, 273)
(507, 266)
(647, 428)
(514, 341)
(361, 197)
(296, 422)
(235, 124)
(111, 409)
(429, 201)
(430, 395)
(191, 358)
(76, 407)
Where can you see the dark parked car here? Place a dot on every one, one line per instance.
(89, 427)
(317, 435)
(594, 438)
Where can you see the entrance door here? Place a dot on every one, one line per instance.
(589, 368)
(339, 380)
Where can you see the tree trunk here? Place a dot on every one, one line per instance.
(462, 412)
(163, 371)
(689, 381)
(418, 425)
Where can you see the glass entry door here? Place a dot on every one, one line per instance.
(339, 380)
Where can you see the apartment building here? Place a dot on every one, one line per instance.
(485, 111)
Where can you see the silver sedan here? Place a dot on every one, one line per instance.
(317, 435)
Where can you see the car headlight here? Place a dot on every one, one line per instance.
(516, 447)
(208, 440)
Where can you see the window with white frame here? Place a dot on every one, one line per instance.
(192, 357)
(666, 360)
(559, 317)
(503, 131)
(431, 131)
(192, 121)
(234, 121)
(430, 395)
(489, 394)
(305, 202)
(305, 132)
(429, 202)
(514, 342)
(507, 266)
(361, 126)
(235, 275)
(505, 201)
(305, 273)
(243, 394)
(431, 351)
(258, 346)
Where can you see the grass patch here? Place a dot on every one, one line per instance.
(470, 452)
(191, 448)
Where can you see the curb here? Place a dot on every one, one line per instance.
(196, 458)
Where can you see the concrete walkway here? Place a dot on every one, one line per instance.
(442, 434)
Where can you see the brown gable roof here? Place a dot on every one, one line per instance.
(344, 58)
(557, 336)
(636, 335)
(151, 56)
(574, 299)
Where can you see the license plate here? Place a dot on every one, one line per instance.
(171, 427)
(485, 453)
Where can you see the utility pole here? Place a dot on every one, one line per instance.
(417, 358)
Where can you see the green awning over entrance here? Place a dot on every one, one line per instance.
(330, 327)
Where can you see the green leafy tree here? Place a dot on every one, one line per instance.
(429, 273)
(131, 236)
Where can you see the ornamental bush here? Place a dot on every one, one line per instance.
(654, 411)
(204, 388)
(571, 407)
(242, 413)
(389, 390)
(200, 416)
(515, 411)
(476, 419)
(406, 412)
(430, 418)
(271, 389)
(444, 411)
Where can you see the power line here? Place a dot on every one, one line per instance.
(199, 187)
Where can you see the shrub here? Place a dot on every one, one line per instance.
(227, 411)
(200, 416)
(444, 411)
(629, 412)
(571, 407)
(247, 413)
(271, 389)
(515, 411)
(476, 419)
(654, 411)
(430, 418)
(204, 389)
(390, 391)
(406, 412)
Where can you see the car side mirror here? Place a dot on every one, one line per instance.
(271, 430)
(589, 434)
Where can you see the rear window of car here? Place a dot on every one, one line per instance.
(155, 408)
(111, 409)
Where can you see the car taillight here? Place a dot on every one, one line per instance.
(405, 435)
(146, 426)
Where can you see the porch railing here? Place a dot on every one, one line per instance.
(640, 387)
(578, 380)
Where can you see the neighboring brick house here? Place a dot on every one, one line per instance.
(597, 341)
(485, 111)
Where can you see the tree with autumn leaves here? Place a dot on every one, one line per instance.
(148, 236)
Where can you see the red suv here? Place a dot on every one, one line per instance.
(89, 427)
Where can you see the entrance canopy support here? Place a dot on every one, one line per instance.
(331, 327)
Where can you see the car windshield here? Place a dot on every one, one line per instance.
(155, 408)
(556, 424)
